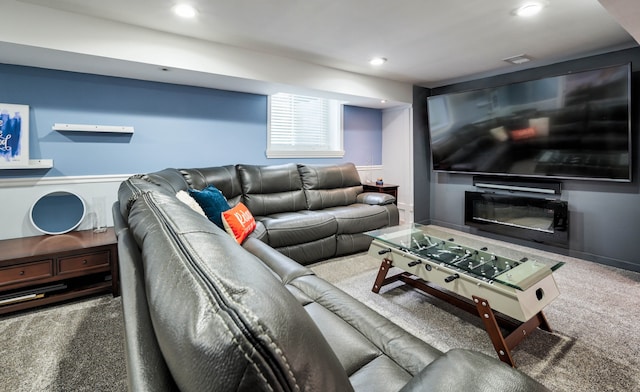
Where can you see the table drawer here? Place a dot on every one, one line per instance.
(26, 272)
(83, 262)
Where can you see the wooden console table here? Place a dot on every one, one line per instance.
(46, 269)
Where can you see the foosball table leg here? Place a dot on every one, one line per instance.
(382, 274)
(544, 324)
(493, 330)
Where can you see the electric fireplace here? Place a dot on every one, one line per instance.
(530, 218)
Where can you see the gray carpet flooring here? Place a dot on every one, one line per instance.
(595, 345)
(77, 346)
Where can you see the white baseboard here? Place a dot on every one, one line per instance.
(66, 180)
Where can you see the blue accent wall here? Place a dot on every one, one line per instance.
(175, 125)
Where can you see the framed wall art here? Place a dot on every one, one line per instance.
(14, 134)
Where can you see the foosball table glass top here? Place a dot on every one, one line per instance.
(467, 254)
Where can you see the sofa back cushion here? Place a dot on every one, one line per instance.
(223, 321)
(170, 179)
(330, 185)
(167, 180)
(271, 189)
(224, 178)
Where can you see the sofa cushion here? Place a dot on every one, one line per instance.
(223, 321)
(381, 375)
(279, 264)
(291, 228)
(407, 351)
(212, 201)
(376, 198)
(330, 185)
(271, 189)
(311, 252)
(466, 370)
(224, 178)
(184, 197)
(238, 222)
(376, 354)
(169, 178)
(353, 349)
(358, 218)
(348, 244)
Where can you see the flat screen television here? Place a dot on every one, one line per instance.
(572, 126)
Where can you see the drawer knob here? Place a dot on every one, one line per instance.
(84, 261)
(21, 273)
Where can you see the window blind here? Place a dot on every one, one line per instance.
(300, 122)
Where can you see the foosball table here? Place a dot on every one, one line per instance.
(506, 288)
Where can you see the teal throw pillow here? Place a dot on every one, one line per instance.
(212, 202)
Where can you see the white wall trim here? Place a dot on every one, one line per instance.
(98, 192)
(105, 178)
(62, 180)
(369, 167)
(369, 173)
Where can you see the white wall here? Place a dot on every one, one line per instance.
(39, 36)
(397, 156)
(18, 195)
(44, 37)
(369, 174)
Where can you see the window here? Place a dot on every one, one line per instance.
(304, 127)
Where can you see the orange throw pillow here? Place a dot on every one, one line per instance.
(238, 222)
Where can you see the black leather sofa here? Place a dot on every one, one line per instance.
(307, 212)
(203, 313)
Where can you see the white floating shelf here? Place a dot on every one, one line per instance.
(92, 128)
(33, 164)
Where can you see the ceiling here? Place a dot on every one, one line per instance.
(426, 42)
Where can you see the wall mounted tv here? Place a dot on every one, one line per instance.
(572, 126)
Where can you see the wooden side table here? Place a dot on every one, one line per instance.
(46, 269)
(390, 189)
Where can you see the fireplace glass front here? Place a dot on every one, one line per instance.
(529, 218)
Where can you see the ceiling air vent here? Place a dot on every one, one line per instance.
(519, 59)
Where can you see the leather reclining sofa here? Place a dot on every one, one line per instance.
(307, 212)
(204, 313)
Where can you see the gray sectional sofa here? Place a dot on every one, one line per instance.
(307, 212)
(204, 313)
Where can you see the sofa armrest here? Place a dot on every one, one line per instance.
(260, 232)
(466, 370)
(282, 266)
(146, 368)
(375, 198)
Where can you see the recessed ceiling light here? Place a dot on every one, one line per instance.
(377, 61)
(529, 9)
(185, 10)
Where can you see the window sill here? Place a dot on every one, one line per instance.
(305, 154)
